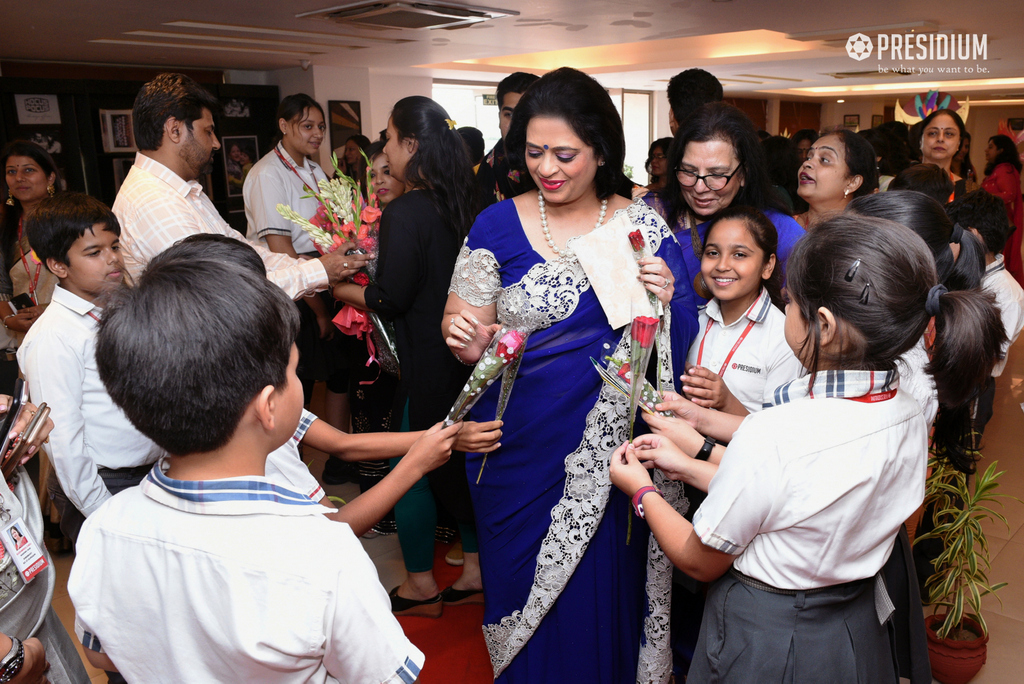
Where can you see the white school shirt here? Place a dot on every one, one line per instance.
(233, 580)
(811, 492)
(156, 208)
(58, 359)
(918, 382)
(761, 363)
(285, 466)
(270, 183)
(1010, 300)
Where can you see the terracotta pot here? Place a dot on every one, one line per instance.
(955, 662)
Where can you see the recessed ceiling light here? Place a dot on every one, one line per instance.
(840, 101)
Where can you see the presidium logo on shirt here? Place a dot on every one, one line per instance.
(745, 368)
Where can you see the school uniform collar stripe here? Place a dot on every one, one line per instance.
(996, 266)
(758, 311)
(840, 384)
(232, 496)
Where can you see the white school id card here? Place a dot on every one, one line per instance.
(25, 552)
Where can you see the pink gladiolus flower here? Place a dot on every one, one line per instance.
(370, 214)
(348, 229)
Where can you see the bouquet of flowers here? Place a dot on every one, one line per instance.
(343, 215)
(618, 375)
(502, 357)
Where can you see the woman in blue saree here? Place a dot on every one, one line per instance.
(574, 591)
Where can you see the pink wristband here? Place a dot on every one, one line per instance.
(638, 506)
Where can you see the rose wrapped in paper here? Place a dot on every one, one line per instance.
(641, 336)
(636, 241)
(506, 347)
(618, 376)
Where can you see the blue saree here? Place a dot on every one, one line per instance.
(567, 598)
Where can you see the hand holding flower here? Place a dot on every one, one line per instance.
(627, 472)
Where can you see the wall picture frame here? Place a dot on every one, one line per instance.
(116, 126)
(876, 120)
(34, 110)
(345, 120)
(851, 121)
(240, 153)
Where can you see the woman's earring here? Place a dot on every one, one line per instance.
(10, 199)
(50, 189)
(846, 193)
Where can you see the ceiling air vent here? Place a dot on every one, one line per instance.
(407, 15)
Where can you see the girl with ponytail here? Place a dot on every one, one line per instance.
(804, 512)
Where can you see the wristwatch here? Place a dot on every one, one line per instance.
(705, 451)
(11, 664)
(638, 506)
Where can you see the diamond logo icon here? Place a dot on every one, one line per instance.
(859, 46)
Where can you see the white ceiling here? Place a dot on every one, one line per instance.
(625, 44)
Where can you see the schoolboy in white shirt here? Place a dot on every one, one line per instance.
(984, 214)
(208, 571)
(95, 450)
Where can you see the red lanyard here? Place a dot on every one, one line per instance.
(93, 316)
(743, 336)
(293, 170)
(33, 281)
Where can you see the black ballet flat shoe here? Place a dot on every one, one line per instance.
(431, 607)
(462, 597)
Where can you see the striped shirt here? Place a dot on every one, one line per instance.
(233, 580)
(156, 208)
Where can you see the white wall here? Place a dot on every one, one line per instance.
(387, 89)
(832, 112)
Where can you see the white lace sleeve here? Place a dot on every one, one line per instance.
(476, 278)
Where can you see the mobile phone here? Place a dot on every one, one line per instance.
(29, 435)
(18, 400)
(22, 301)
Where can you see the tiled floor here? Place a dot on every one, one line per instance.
(1004, 441)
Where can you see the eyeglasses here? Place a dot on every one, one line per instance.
(714, 181)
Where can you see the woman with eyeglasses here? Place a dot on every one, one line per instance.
(718, 161)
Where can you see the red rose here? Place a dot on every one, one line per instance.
(643, 330)
(624, 371)
(510, 345)
(636, 241)
(361, 279)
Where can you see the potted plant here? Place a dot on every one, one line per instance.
(958, 635)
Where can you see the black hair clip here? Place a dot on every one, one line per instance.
(853, 271)
(864, 293)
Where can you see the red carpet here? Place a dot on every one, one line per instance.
(453, 644)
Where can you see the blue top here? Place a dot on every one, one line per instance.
(788, 229)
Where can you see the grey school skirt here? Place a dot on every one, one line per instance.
(830, 635)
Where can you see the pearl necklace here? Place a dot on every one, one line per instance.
(567, 253)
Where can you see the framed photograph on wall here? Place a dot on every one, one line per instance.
(37, 109)
(240, 153)
(121, 167)
(345, 121)
(1015, 124)
(876, 120)
(116, 127)
(851, 121)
